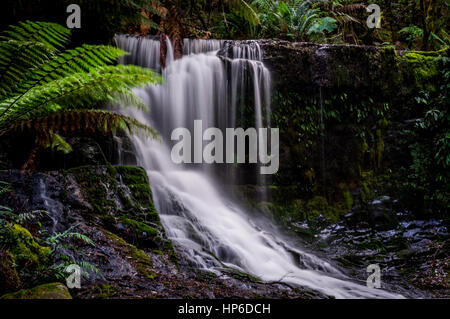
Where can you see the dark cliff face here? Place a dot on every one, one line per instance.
(304, 66)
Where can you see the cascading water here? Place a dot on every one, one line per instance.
(207, 228)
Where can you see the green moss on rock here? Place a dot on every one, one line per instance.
(105, 291)
(26, 251)
(140, 259)
(422, 68)
(47, 291)
(136, 179)
(139, 227)
(95, 182)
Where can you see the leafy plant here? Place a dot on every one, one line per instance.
(58, 242)
(244, 10)
(428, 175)
(295, 20)
(413, 34)
(47, 91)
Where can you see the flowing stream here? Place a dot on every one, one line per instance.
(209, 229)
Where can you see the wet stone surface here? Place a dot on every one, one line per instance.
(413, 255)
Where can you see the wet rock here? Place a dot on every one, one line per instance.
(46, 291)
(380, 213)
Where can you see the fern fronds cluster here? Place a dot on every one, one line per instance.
(88, 122)
(49, 90)
(244, 10)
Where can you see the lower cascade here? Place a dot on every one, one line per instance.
(209, 229)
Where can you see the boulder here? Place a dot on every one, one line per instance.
(47, 291)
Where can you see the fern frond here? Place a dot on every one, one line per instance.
(52, 35)
(46, 92)
(80, 90)
(79, 236)
(81, 59)
(244, 10)
(89, 122)
(57, 142)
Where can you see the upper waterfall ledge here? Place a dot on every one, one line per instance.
(303, 67)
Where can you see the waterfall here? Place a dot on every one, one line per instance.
(52, 207)
(144, 51)
(210, 230)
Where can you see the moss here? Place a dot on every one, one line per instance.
(366, 183)
(318, 206)
(168, 247)
(423, 68)
(348, 198)
(136, 179)
(26, 251)
(95, 181)
(141, 260)
(133, 175)
(47, 291)
(108, 220)
(139, 227)
(105, 291)
(240, 274)
(159, 252)
(100, 184)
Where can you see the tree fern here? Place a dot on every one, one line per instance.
(43, 86)
(82, 89)
(26, 46)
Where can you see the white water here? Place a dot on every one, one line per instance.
(52, 207)
(207, 228)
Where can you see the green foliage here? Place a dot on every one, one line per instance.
(428, 180)
(323, 26)
(59, 244)
(412, 34)
(28, 254)
(46, 291)
(46, 89)
(295, 20)
(43, 258)
(244, 10)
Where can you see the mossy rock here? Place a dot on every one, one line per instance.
(26, 251)
(122, 198)
(136, 179)
(47, 291)
(422, 68)
(97, 182)
(140, 228)
(105, 291)
(140, 259)
(318, 206)
(133, 175)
